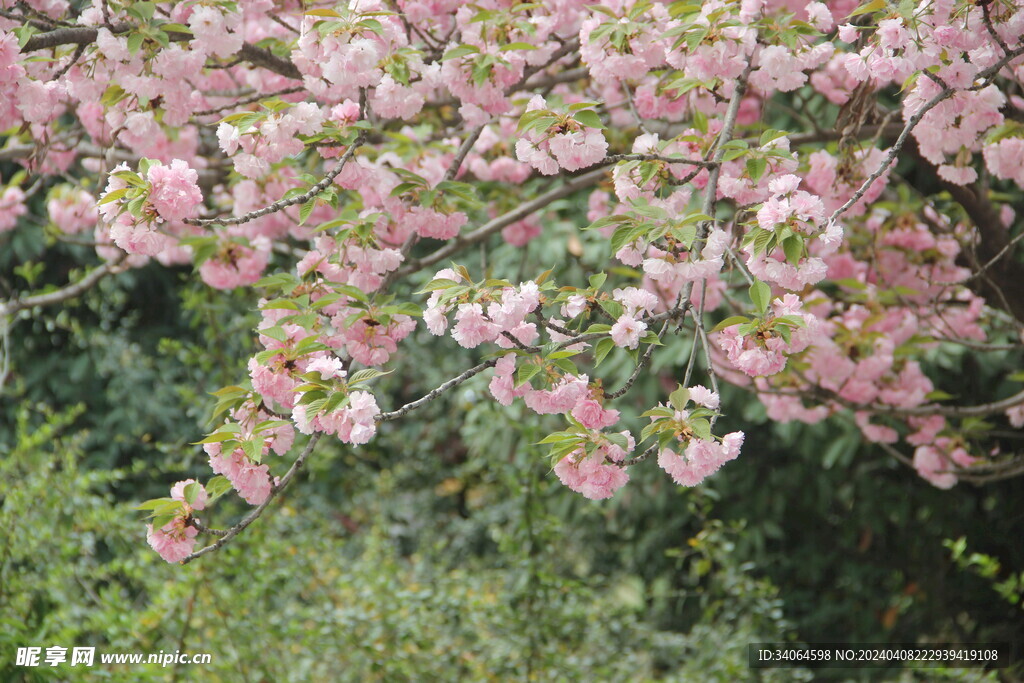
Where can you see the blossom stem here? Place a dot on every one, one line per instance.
(259, 509)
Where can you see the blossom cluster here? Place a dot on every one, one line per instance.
(171, 534)
(135, 205)
(348, 140)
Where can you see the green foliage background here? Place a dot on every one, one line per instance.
(445, 549)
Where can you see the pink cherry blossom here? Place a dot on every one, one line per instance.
(175, 190)
(626, 331)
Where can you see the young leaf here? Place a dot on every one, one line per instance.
(761, 296)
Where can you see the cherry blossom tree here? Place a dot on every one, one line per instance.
(342, 162)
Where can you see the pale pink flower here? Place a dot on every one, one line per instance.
(590, 475)
(175, 190)
(580, 149)
(958, 175)
(251, 481)
(932, 466)
(472, 328)
(178, 493)
(593, 415)
(11, 206)
(703, 396)
(137, 238)
(626, 331)
(174, 541)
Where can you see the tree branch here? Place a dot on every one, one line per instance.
(912, 122)
(64, 293)
(83, 35)
(644, 361)
(427, 398)
(461, 241)
(255, 514)
(281, 204)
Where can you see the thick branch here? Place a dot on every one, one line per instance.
(83, 35)
(64, 293)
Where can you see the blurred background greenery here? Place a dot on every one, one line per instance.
(445, 549)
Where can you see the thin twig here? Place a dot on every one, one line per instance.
(643, 362)
(67, 67)
(698, 321)
(522, 211)
(986, 14)
(912, 123)
(648, 452)
(427, 398)
(248, 100)
(1002, 252)
(281, 204)
(464, 150)
(202, 528)
(615, 158)
(66, 292)
(563, 50)
(255, 514)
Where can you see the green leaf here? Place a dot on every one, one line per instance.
(517, 46)
(756, 167)
(135, 42)
(366, 375)
(335, 401)
(144, 9)
(619, 440)
(658, 412)
(175, 28)
(612, 308)
(558, 437)
(306, 209)
(679, 397)
(597, 280)
(135, 206)
(157, 503)
(274, 304)
(438, 284)
(216, 437)
(217, 487)
(270, 424)
(871, 6)
(460, 51)
(602, 349)
(352, 292)
(627, 234)
(793, 247)
(701, 429)
(323, 12)
(113, 195)
(24, 33)
(191, 491)
(761, 296)
(162, 521)
(253, 450)
(729, 322)
(938, 395)
(525, 372)
(588, 118)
